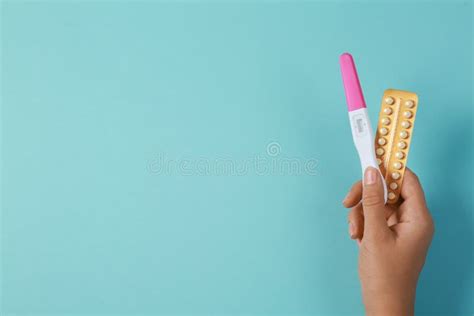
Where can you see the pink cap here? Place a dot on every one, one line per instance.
(354, 96)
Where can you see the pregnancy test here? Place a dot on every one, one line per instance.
(359, 118)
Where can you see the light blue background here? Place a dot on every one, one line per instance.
(94, 91)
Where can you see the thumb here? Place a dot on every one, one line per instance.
(374, 204)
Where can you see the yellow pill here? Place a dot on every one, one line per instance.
(395, 175)
(382, 141)
(393, 185)
(383, 131)
(380, 151)
(407, 114)
(399, 154)
(379, 161)
(385, 121)
(409, 104)
(387, 111)
(406, 124)
(391, 195)
(389, 100)
(397, 165)
(402, 145)
(403, 134)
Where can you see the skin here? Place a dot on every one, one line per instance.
(393, 242)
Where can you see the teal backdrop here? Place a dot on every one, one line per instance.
(190, 158)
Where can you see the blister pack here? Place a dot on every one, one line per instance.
(393, 137)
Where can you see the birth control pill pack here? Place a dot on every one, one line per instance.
(393, 137)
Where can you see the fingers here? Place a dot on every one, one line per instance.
(355, 217)
(392, 219)
(356, 222)
(414, 206)
(374, 204)
(411, 188)
(354, 196)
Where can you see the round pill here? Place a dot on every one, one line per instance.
(402, 145)
(399, 154)
(391, 195)
(383, 131)
(403, 134)
(379, 161)
(393, 185)
(389, 100)
(406, 124)
(407, 114)
(409, 104)
(397, 165)
(387, 111)
(380, 151)
(382, 141)
(395, 175)
(385, 121)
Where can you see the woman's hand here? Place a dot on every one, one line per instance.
(393, 242)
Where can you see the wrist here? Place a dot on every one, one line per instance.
(390, 302)
(391, 306)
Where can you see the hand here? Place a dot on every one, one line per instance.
(393, 242)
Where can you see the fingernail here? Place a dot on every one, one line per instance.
(351, 230)
(370, 175)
